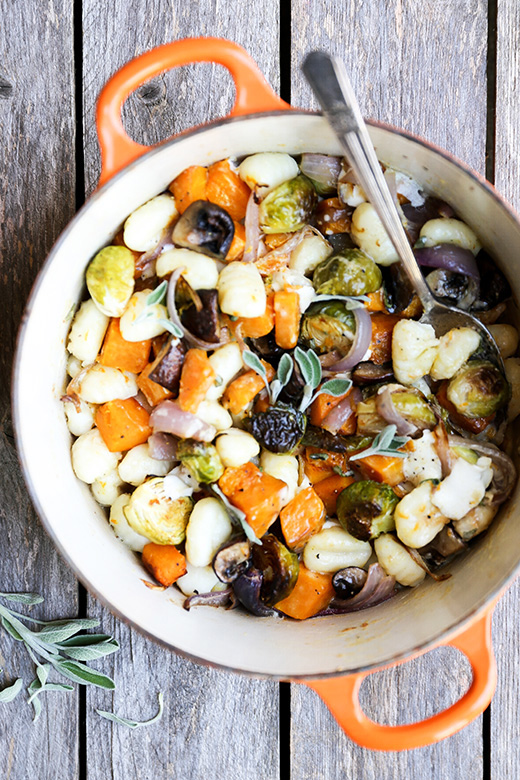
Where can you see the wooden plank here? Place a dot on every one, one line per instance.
(36, 201)
(505, 712)
(216, 724)
(396, 55)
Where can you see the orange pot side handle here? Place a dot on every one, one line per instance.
(253, 93)
(341, 695)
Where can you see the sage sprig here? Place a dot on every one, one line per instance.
(283, 373)
(310, 368)
(385, 443)
(134, 724)
(61, 646)
(155, 297)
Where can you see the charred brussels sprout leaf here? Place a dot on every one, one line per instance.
(201, 459)
(206, 228)
(478, 389)
(350, 272)
(366, 509)
(279, 568)
(327, 326)
(232, 560)
(279, 429)
(288, 207)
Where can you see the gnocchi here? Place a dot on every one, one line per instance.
(414, 349)
(241, 291)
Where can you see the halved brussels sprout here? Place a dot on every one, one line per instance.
(366, 509)
(279, 429)
(152, 513)
(478, 389)
(288, 208)
(279, 568)
(412, 405)
(350, 272)
(201, 459)
(110, 279)
(328, 325)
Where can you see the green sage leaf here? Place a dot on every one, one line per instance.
(336, 387)
(54, 634)
(253, 362)
(10, 630)
(285, 369)
(87, 639)
(134, 724)
(158, 294)
(316, 368)
(11, 692)
(23, 598)
(80, 673)
(91, 653)
(171, 327)
(305, 365)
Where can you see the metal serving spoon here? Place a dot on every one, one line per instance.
(328, 78)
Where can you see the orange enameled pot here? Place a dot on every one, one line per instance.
(320, 653)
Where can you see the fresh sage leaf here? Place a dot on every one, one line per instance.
(87, 639)
(253, 362)
(171, 327)
(37, 706)
(158, 294)
(304, 365)
(10, 630)
(134, 724)
(23, 598)
(11, 692)
(316, 368)
(80, 673)
(385, 443)
(91, 653)
(275, 388)
(336, 387)
(42, 672)
(53, 634)
(285, 369)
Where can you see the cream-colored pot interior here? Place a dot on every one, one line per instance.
(267, 646)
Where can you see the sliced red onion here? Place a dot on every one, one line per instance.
(215, 598)
(252, 229)
(442, 446)
(146, 262)
(322, 169)
(504, 472)
(168, 417)
(360, 344)
(378, 588)
(342, 412)
(419, 560)
(450, 257)
(386, 409)
(174, 316)
(162, 446)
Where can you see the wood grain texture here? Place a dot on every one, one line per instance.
(421, 67)
(505, 710)
(217, 725)
(36, 201)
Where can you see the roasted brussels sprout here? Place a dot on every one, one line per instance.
(412, 405)
(288, 207)
(110, 279)
(366, 509)
(152, 513)
(350, 272)
(279, 429)
(328, 325)
(279, 568)
(202, 460)
(478, 389)
(206, 228)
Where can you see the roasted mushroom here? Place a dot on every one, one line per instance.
(206, 228)
(247, 589)
(232, 560)
(279, 569)
(203, 322)
(167, 366)
(453, 288)
(366, 509)
(347, 582)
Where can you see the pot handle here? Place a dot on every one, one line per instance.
(340, 694)
(253, 93)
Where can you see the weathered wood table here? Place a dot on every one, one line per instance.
(445, 69)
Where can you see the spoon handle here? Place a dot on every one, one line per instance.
(328, 78)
